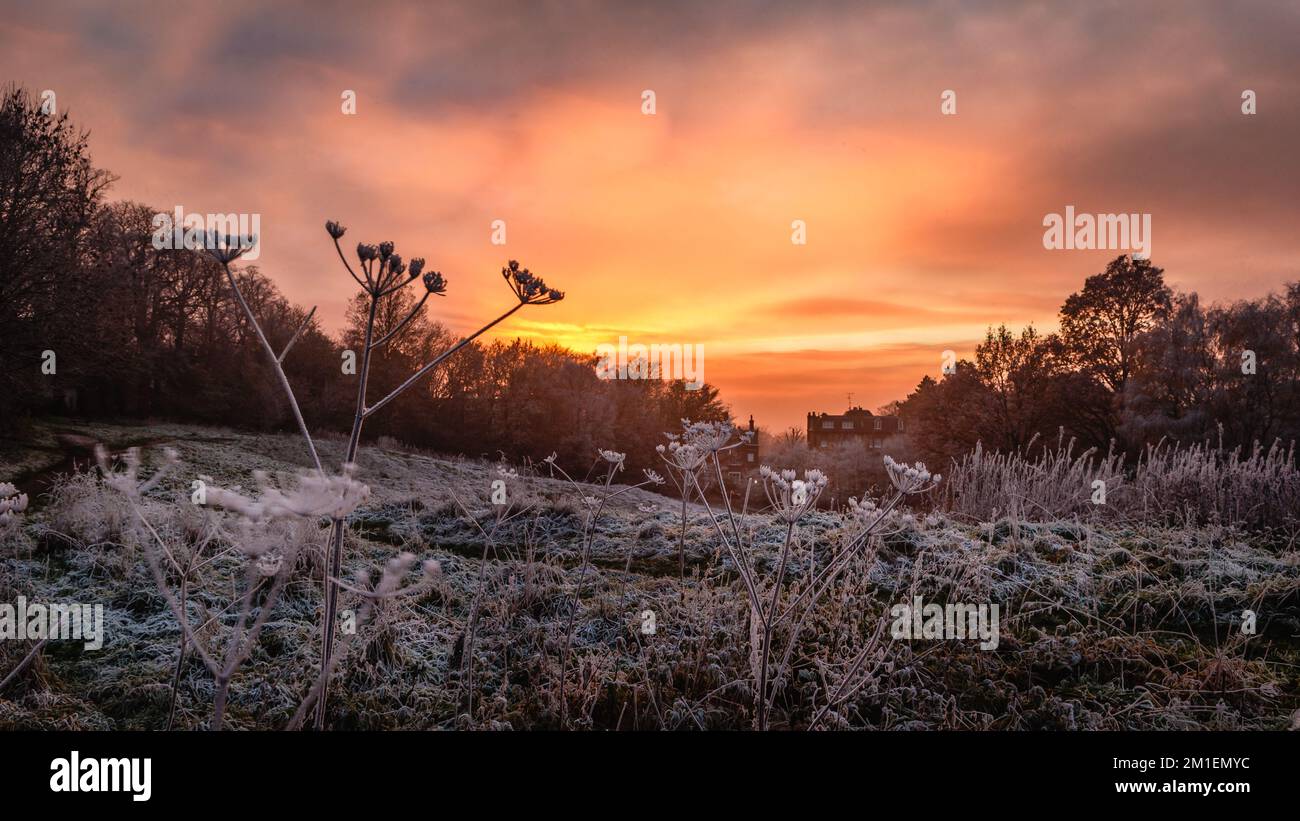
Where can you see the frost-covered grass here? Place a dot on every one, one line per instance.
(1120, 623)
(1200, 484)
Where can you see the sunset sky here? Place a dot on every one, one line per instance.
(922, 229)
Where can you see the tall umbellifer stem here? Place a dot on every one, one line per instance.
(335, 566)
(384, 274)
(276, 359)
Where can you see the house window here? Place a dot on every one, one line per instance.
(828, 425)
(735, 476)
(822, 445)
(878, 423)
(900, 424)
(875, 443)
(749, 457)
(847, 425)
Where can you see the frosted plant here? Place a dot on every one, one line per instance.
(711, 437)
(128, 480)
(225, 251)
(384, 273)
(390, 588)
(269, 552)
(682, 457)
(315, 496)
(792, 499)
(501, 514)
(268, 564)
(685, 459)
(910, 478)
(12, 506)
(615, 465)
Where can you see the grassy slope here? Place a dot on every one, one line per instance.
(1101, 629)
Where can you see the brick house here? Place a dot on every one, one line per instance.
(826, 429)
(739, 462)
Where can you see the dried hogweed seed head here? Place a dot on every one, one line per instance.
(710, 437)
(909, 478)
(528, 287)
(434, 283)
(335, 230)
(365, 253)
(417, 265)
(792, 498)
(227, 248)
(385, 250)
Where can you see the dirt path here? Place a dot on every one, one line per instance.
(76, 452)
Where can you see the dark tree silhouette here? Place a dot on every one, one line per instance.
(1101, 324)
(49, 191)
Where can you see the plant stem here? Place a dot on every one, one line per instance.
(335, 563)
(766, 649)
(415, 377)
(275, 362)
(587, 538)
(22, 665)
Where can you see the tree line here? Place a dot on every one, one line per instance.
(1133, 362)
(137, 331)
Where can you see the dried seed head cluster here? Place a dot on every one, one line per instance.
(908, 479)
(684, 457)
(391, 273)
(613, 457)
(530, 289)
(226, 248)
(867, 514)
(433, 282)
(709, 437)
(867, 508)
(314, 496)
(12, 503)
(789, 496)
